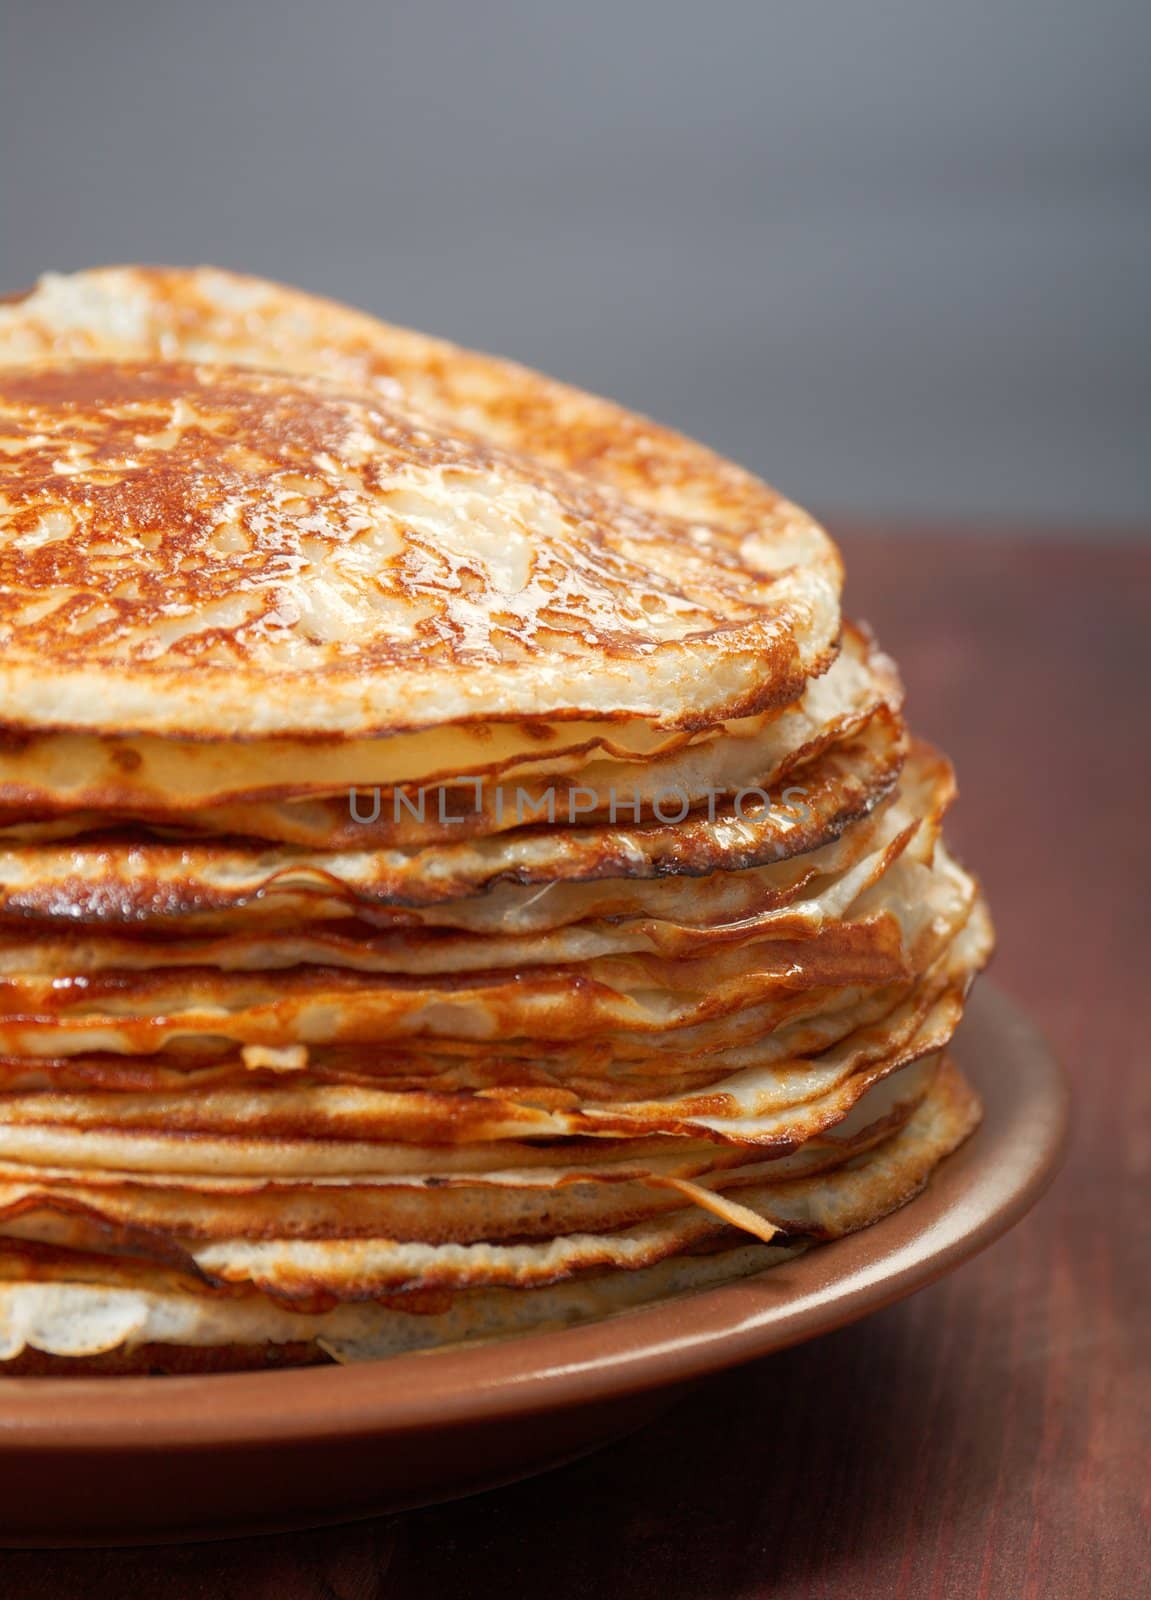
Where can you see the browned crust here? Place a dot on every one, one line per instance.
(164, 513)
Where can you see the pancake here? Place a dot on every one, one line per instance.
(138, 1012)
(212, 552)
(510, 925)
(70, 1205)
(780, 1093)
(458, 872)
(193, 786)
(137, 313)
(276, 789)
(135, 877)
(74, 1305)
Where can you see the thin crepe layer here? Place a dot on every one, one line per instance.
(75, 1305)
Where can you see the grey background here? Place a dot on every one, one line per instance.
(896, 256)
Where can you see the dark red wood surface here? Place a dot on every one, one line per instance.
(991, 1436)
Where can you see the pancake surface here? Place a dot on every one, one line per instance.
(273, 554)
(458, 873)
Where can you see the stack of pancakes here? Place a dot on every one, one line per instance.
(458, 873)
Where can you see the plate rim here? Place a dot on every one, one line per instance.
(975, 1196)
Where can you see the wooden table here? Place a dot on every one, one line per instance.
(989, 1437)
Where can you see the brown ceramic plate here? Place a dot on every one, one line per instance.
(137, 1459)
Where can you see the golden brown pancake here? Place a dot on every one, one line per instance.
(285, 1080)
(210, 552)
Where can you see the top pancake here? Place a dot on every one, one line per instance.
(199, 550)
